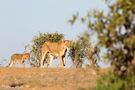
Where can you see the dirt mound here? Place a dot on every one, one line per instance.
(47, 79)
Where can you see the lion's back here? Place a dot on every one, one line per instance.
(52, 46)
(16, 56)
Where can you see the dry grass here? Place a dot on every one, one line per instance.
(47, 79)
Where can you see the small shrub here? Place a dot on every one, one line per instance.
(111, 81)
(38, 41)
(82, 50)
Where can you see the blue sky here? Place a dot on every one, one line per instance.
(21, 20)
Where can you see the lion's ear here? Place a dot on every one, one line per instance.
(64, 41)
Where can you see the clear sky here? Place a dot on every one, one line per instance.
(21, 20)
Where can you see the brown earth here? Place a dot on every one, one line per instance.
(48, 79)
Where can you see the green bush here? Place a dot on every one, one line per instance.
(38, 41)
(82, 50)
(111, 81)
(115, 31)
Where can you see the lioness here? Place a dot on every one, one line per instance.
(52, 49)
(20, 57)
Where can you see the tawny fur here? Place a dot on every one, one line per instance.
(52, 49)
(19, 57)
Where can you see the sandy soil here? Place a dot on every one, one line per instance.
(47, 79)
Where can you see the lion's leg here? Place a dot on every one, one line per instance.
(11, 63)
(63, 57)
(43, 55)
(61, 61)
(51, 60)
(42, 60)
(22, 62)
(64, 61)
(14, 62)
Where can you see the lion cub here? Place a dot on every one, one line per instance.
(19, 57)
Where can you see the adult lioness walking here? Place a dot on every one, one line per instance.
(20, 57)
(57, 49)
